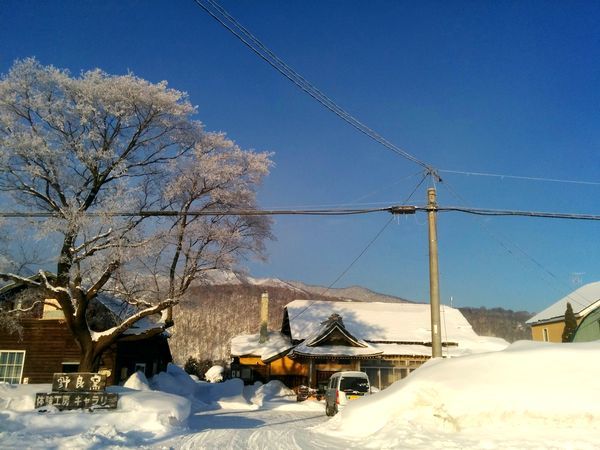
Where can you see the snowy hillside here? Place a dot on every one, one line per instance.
(226, 304)
(228, 277)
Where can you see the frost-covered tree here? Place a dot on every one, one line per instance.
(570, 324)
(83, 148)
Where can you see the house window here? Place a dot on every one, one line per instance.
(11, 366)
(545, 334)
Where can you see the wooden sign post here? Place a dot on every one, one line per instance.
(78, 391)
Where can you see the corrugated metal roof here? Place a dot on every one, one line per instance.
(581, 300)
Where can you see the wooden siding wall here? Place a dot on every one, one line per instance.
(47, 344)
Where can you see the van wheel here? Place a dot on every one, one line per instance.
(328, 410)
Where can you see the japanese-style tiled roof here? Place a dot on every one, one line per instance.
(333, 339)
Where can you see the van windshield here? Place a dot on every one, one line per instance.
(354, 384)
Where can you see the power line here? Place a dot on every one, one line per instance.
(208, 212)
(518, 177)
(506, 212)
(339, 277)
(396, 209)
(371, 242)
(520, 249)
(253, 43)
(376, 191)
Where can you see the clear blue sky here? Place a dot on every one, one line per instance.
(507, 87)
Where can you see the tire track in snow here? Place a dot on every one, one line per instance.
(248, 430)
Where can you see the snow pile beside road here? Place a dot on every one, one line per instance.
(20, 397)
(272, 391)
(175, 381)
(214, 374)
(167, 409)
(137, 381)
(140, 415)
(229, 394)
(527, 386)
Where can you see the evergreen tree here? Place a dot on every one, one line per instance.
(570, 324)
(192, 366)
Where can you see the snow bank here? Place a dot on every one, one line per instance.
(137, 381)
(529, 384)
(214, 374)
(140, 415)
(20, 397)
(161, 407)
(175, 381)
(203, 395)
(274, 390)
(144, 416)
(229, 395)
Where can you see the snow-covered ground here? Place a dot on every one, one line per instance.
(531, 395)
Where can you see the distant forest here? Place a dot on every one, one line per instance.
(210, 316)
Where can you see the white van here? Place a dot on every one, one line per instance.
(344, 387)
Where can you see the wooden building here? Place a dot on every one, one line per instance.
(548, 325)
(319, 338)
(39, 344)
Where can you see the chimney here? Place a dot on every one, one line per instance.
(264, 317)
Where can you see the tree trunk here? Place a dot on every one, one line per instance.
(88, 361)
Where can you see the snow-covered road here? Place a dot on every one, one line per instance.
(260, 429)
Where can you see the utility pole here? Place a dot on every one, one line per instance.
(434, 285)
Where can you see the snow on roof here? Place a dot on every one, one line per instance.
(247, 344)
(122, 310)
(381, 322)
(583, 300)
(336, 350)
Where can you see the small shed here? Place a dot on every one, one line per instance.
(589, 328)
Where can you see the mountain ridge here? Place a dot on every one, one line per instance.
(223, 305)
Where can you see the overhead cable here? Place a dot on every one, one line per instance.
(518, 177)
(500, 241)
(506, 212)
(397, 209)
(253, 43)
(210, 212)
